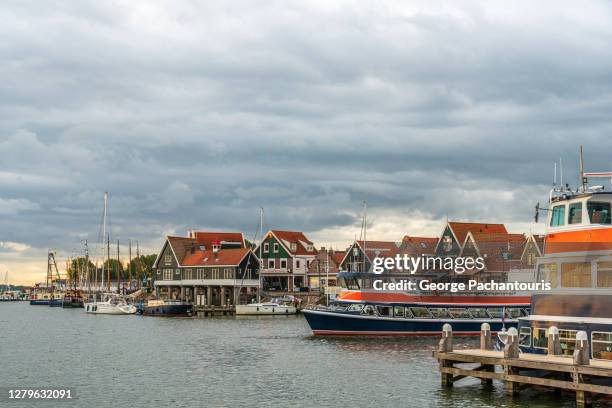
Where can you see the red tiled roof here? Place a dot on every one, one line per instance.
(379, 248)
(295, 237)
(231, 257)
(425, 245)
(207, 238)
(461, 229)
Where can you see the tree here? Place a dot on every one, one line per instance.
(142, 266)
(77, 268)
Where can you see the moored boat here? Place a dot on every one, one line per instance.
(73, 299)
(167, 308)
(112, 304)
(274, 307)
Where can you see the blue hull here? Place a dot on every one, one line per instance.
(56, 303)
(182, 310)
(37, 302)
(333, 323)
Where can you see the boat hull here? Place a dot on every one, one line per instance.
(76, 303)
(262, 310)
(331, 323)
(39, 302)
(56, 302)
(181, 310)
(103, 308)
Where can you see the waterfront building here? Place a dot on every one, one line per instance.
(361, 254)
(323, 269)
(285, 257)
(213, 269)
(454, 234)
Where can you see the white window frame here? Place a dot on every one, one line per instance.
(271, 262)
(276, 247)
(598, 341)
(281, 263)
(266, 247)
(167, 259)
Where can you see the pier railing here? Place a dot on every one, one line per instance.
(587, 378)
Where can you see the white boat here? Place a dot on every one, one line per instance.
(113, 305)
(268, 308)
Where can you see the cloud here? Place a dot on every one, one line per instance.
(13, 246)
(193, 115)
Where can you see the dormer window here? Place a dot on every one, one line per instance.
(293, 247)
(310, 248)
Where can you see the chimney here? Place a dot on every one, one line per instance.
(216, 246)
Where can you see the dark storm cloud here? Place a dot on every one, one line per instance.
(195, 114)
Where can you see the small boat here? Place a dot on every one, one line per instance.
(275, 307)
(40, 299)
(167, 308)
(112, 305)
(72, 299)
(57, 300)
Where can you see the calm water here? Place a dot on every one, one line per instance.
(136, 361)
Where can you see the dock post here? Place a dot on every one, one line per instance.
(511, 351)
(554, 343)
(486, 343)
(446, 346)
(581, 357)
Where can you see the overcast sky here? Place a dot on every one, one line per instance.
(194, 114)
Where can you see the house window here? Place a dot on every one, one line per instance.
(227, 273)
(200, 273)
(266, 247)
(293, 247)
(215, 273)
(188, 274)
(271, 263)
(168, 274)
(558, 216)
(283, 264)
(167, 259)
(276, 247)
(575, 213)
(530, 258)
(447, 243)
(297, 264)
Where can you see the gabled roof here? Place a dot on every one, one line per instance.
(374, 249)
(461, 229)
(207, 238)
(180, 246)
(286, 238)
(225, 257)
(335, 258)
(424, 245)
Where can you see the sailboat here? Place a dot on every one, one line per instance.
(280, 306)
(109, 303)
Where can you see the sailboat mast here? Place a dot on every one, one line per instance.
(118, 269)
(102, 254)
(108, 281)
(129, 263)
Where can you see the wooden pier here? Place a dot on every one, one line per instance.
(585, 377)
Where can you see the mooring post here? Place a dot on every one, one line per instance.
(581, 357)
(511, 351)
(554, 343)
(446, 346)
(486, 343)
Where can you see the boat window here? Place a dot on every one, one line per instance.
(599, 213)
(576, 275)
(479, 312)
(567, 338)
(495, 312)
(407, 313)
(558, 216)
(384, 311)
(420, 312)
(604, 274)
(540, 338)
(439, 312)
(398, 311)
(548, 273)
(368, 310)
(601, 345)
(459, 313)
(514, 312)
(525, 336)
(355, 307)
(351, 283)
(574, 215)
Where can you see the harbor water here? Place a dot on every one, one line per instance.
(137, 361)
